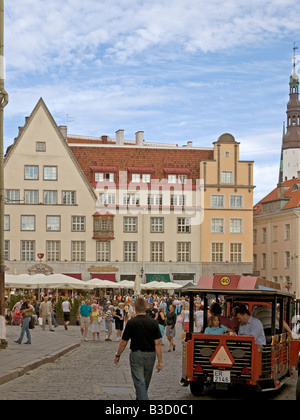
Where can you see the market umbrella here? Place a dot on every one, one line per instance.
(126, 284)
(61, 281)
(105, 284)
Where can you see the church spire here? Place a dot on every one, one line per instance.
(290, 152)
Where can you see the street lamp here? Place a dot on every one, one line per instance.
(3, 103)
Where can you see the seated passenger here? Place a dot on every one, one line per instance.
(215, 326)
(215, 309)
(249, 325)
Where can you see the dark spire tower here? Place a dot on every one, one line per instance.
(291, 138)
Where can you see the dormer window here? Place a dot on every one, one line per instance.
(102, 176)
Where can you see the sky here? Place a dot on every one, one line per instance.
(179, 70)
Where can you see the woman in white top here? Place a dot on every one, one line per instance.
(66, 308)
(198, 317)
(186, 317)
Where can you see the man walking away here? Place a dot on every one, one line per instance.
(145, 345)
(45, 313)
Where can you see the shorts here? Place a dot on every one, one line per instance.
(119, 324)
(67, 316)
(85, 321)
(186, 326)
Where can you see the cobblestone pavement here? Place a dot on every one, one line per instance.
(88, 373)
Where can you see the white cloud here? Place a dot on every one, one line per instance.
(43, 35)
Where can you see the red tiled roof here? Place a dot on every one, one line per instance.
(291, 194)
(156, 158)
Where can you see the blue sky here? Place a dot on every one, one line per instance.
(179, 70)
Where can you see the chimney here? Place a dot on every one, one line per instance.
(120, 138)
(280, 190)
(64, 130)
(104, 139)
(189, 144)
(139, 138)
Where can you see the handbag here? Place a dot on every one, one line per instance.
(100, 319)
(180, 319)
(31, 323)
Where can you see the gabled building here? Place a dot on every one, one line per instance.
(114, 208)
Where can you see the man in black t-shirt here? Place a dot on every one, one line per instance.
(152, 312)
(145, 345)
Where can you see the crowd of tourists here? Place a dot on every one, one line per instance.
(114, 311)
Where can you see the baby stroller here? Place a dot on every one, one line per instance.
(17, 318)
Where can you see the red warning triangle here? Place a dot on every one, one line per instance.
(222, 357)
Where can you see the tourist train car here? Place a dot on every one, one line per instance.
(222, 361)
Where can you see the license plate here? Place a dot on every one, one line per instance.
(222, 376)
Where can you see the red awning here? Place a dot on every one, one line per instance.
(103, 276)
(75, 275)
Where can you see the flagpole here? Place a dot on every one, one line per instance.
(3, 103)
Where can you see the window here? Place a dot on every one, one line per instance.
(217, 251)
(217, 225)
(131, 199)
(103, 226)
(12, 196)
(178, 200)
(236, 226)
(264, 235)
(287, 259)
(172, 179)
(6, 250)
(183, 251)
(157, 252)
(254, 262)
(101, 176)
(53, 250)
(50, 197)
(136, 177)
(78, 223)
(146, 178)
(184, 225)
(216, 200)
(31, 196)
(236, 201)
(130, 224)
(263, 261)
(31, 172)
(107, 198)
(40, 146)
(102, 251)
(130, 251)
(182, 179)
(287, 232)
(255, 236)
(53, 223)
(155, 199)
(78, 251)
(156, 224)
(27, 222)
(6, 222)
(227, 177)
(235, 252)
(68, 197)
(27, 250)
(50, 173)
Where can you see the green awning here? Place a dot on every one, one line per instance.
(158, 277)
